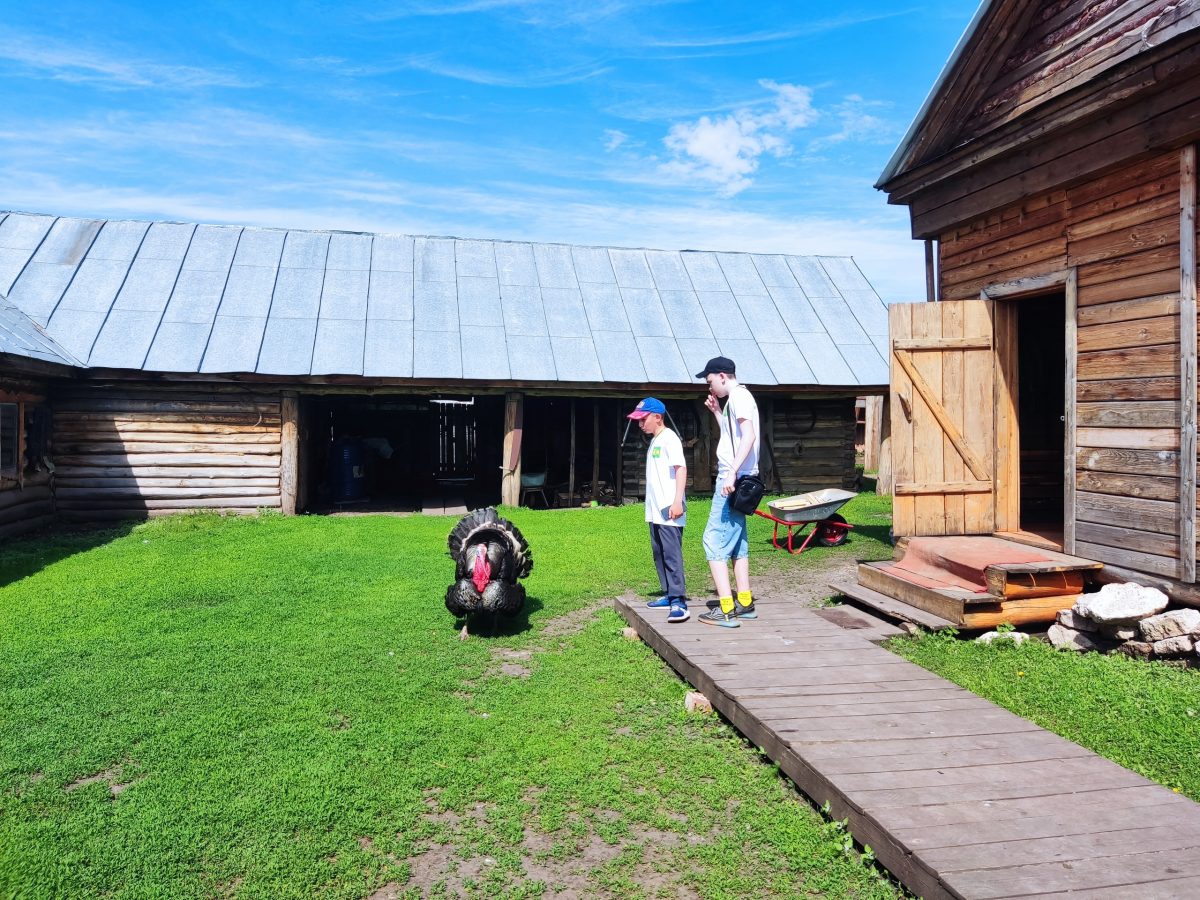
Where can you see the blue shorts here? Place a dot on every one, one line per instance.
(726, 535)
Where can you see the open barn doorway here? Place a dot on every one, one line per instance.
(388, 453)
(1041, 413)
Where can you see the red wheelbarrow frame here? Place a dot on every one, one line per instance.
(826, 524)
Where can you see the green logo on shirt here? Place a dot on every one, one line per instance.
(656, 452)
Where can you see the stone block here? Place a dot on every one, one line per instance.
(1137, 649)
(1013, 637)
(695, 702)
(1170, 624)
(1174, 646)
(1064, 638)
(1068, 618)
(1122, 604)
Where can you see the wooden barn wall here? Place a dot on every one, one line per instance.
(1067, 43)
(810, 446)
(26, 501)
(1121, 232)
(133, 452)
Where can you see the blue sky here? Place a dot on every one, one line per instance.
(679, 125)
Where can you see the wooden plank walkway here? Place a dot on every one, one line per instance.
(957, 797)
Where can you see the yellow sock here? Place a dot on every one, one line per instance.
(727, 605)
(744, 598)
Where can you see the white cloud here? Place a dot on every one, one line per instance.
(724, 151)
(46, 58)
(857, 124)
(613, 139)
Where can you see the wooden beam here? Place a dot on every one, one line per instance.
(289, 452)
(946, 343)
(595, 449)
(1187, 363)
(510, 468)
(931, 278)
(974, 463)
(571, 476)
(1071, 354)
(912, 488)
(872, 433)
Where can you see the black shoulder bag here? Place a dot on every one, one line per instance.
(748, 490)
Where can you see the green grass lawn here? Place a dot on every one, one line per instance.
(280, 707)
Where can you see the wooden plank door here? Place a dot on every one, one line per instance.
(943, 417)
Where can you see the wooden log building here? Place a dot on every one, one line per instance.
(147, 368)
(1049, 393)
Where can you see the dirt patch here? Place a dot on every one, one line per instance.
(111, 777)
(810, 585)
(569, 623)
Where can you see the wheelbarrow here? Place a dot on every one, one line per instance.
(817, 508)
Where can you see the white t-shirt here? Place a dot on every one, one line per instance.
(664, 455)
(739, 405)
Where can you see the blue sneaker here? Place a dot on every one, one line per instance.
(660, 603)
(679, 611)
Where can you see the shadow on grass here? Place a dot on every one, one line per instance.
(30, 553)
(486, 626)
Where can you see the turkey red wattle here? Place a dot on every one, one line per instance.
(482, 573)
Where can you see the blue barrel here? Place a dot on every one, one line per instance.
(348, 464)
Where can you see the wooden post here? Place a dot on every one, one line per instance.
(571, 477)
(702, 478)
(595, 449)
(289, 450)
(931, 284)
(1187, 363)
(873, 433)
(510, 464)
(885, 480)
(620, 433)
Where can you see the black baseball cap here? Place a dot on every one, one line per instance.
(718, 365)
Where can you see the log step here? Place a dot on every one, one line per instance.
(890, 607)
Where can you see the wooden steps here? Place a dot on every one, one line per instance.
(972, 582)
(889, 606)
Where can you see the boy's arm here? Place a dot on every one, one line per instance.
(676, 510)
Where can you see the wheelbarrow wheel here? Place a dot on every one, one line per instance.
(828, 536)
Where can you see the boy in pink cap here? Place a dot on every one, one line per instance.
(666, 479)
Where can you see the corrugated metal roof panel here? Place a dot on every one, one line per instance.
(523, 313)
(178, 347)
(565, 316)
(530, 357)
(389, 349)
(390, 295)
(434, 260)
(234, 344)
(21, 336)
(605, 311)
(752, 367)
(344, 294)
(685, 314)
(618, 355)
(515, 265)
(338, 349)
(257, 299)
(484, 353)
(575, 359)
(663, 361)
(592, 265)
(287, 347)
(668, 271)
(437, 354)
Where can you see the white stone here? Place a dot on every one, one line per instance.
(1064, 638)
(1119, 632)
(1174, 646)
(1121, 604)
(1014, 637)
(695, 702)
(1068, 618)
(1170, 624)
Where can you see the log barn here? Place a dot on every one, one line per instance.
(147, 368)
(1048, 393)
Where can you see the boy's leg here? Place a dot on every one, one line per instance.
(741, 570)
(671, 540)
(657, 549)
(719, 540)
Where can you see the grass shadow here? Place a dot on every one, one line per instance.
(31, 553)
(505, 626)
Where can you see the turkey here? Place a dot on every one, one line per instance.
(490, 554)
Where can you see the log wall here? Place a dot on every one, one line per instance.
(1121, 233)
(133, 452)
(26, 501)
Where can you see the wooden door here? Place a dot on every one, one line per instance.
(943, 417)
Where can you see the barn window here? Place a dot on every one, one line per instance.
(8, 439)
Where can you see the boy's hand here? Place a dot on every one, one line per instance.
(676, 511)
(713, 406)
(727, 486)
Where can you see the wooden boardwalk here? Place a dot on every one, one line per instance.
(958, 797)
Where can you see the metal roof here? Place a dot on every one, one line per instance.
(21, 336)
(170, 297)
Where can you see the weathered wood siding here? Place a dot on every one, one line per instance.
(1067, 43)
(135, 452)
(810, 446)
(26, 501)
(1121, 232)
